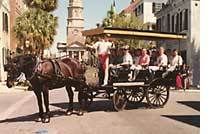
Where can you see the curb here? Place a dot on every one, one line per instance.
(186, 90)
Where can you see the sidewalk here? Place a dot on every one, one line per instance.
(5, 89)
(191, 89)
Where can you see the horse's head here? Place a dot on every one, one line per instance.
(16, 65)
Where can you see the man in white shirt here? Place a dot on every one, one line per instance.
(162, 59)
(175, 61)
(103, 49)
(127, 58)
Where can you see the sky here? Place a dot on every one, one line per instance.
(94, 12)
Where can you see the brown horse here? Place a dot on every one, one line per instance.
(46, 75)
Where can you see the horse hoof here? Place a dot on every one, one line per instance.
(69, 112)
(46, 120)
(38, 119)
(80, 113)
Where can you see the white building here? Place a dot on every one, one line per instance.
(145, 10)
(183, 16)
(4, 35)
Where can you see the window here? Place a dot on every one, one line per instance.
(177, 23)
(139, 9)
(136, 12)
(142, 8)
(163, 24)
(186, 19)
(153, 7)
(158, 25)
(172, 21)
(5, 22)
(180, 26)
(168, 23)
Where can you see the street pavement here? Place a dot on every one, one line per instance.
(181, 115)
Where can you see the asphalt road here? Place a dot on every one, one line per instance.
(181, 115)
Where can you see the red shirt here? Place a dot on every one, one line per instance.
(144, 60)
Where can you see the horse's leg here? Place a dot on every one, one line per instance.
(46, 103)
(71, 96)
(38, 94)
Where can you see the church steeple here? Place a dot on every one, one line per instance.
(75, 22)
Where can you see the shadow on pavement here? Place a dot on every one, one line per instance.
(101, 105)
(193, 120)
(31, 117)
(193, 104)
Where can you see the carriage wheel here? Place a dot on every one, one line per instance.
(85, 99)
(157, 95)
(119, 99)
(135, 96)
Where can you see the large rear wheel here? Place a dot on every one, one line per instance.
(157, 95)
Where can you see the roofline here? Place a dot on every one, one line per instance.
(133, 33)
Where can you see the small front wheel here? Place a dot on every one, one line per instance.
(119, 99)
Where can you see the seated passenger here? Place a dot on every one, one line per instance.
(137, 54)
(144, 58)
(162, 60)
(127, 58)
(143, 63)
(153, 58)
(123, 58)
(175, 61)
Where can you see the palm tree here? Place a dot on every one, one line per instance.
(36, 26)
(47, 5)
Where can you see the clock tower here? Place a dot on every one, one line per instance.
(75, 23)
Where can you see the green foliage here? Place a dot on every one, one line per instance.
(36, 26)
(46, 5)
(111, 14)
(129, 21)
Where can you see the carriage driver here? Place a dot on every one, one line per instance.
(102, 46)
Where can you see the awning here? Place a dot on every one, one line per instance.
(133, 33)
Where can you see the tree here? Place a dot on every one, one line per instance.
(36, 25)
(46, 5)
(128, 22)
(111, 14)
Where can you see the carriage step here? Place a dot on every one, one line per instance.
(128, 84)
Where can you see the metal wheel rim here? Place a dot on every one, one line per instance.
(135, 96)
(157, 95)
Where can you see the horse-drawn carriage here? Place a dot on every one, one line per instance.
(149, 84)
(50, 74)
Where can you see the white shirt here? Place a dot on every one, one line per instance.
(136, 60)
(127, 59)
(102, 47)
(162, 60)
(177, 60)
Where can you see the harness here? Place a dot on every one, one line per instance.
(56, 67)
